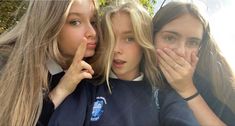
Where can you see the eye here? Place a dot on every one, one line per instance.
(74, 22)
(193, 43)
(130, 39)
(169, 38)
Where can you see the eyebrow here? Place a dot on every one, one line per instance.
(80, 14)
(127, 32)
(74, 13)
(172, 32)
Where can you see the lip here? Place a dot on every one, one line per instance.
(91, 45)
(118, 63)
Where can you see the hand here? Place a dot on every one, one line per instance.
(178, 71)
(77, 71)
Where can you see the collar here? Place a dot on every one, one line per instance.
(53, 67)
(139, 78)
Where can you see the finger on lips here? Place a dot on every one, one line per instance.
(80, 52)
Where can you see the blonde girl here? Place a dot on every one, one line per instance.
(51, 37)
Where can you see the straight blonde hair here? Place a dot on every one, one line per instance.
(141, 21)
(25, 50)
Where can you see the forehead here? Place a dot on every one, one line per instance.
(121, 21)
(83, 6)
(185, 24)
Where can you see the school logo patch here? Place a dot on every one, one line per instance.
(98, 108)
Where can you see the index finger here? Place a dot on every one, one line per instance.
(178, 59)
(80, 52)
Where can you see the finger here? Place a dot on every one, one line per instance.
(162, 58)
(166, 74)
(194, 60)
(86, 67)
(166, 58)
(80, 52)
(85, 74)
(172, 71)
(178, 59)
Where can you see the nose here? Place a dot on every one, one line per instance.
(91, 31)
(117, 47)
(180, 49)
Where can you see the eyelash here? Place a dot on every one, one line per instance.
(172, 39)
(194, 43)
(169, 38)
(74, 22)
(130, 39)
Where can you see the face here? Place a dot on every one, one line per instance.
(80, 24)
(127, 52)
(183, 35)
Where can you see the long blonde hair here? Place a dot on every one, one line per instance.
(27, 47)
(211, 65)
(141, 22)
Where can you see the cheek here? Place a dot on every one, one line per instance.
(68, 44)
(135, 53)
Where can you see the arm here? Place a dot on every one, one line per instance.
(77, 71)
(204, 114)
(174, 111)
(179, 74)
(47, 111)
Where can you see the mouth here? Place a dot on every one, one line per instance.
(118, 63)
(91, 45)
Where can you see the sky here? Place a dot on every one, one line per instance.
(222, 22)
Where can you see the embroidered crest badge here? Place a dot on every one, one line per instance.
(98, 108)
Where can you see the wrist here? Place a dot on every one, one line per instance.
(57, 96)
(188, 91)
(192, 96)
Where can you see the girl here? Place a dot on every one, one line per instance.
(180, 34)
(45, 40)
(127, 64)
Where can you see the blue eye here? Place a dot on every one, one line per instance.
(75, 22)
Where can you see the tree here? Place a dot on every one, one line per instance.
(11, 11)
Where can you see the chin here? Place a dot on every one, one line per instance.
(89, 53)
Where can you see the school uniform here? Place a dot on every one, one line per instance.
(221, 110)
(131, 103)
(54, 76)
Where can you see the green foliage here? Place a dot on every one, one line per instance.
(12, 10)
(148, 4)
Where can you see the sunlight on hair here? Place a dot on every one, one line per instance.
(222, 27)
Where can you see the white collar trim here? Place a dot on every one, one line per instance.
(53, 67)
(139, 78)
